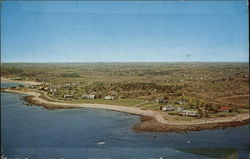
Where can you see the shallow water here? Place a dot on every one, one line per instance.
(11, 84)
(35, 132)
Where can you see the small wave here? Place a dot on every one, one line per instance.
(125, 140)
(101, 143)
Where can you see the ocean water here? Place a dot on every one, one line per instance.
(34, 132)
(11, 84)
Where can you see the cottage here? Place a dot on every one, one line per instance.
(32, 86)
(89, 96)
(168, 108)
(179, 109)
(109, 97)
(16, 87)
(245, 76)
(68, 96)
(225, 109)
(161, 101)
(52, 90)
(180, 102)
(192, 113)
(17, 78)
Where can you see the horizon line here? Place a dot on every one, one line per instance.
(137, 62)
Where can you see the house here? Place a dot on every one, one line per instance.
(17, 78)
(32, 86)
(68, 96)
(161, 101)
(16, 87)
(180, 102)
(179, 109)
(225, 109)
(89, 96)
(245, 76)
(168, 108)
(109, 97)
(123, 97)
(52, 90)
(191, 113)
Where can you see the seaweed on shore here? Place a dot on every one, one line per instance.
(32, 101)
(149, 124)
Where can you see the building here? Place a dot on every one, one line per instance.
(225, 109)
(32, 86)
(168, 108)
(17, 78)
(192, 113)
(68, 96)
(15, 87)
(52, 90)
(181, 102)
(161, 101)
(109, 97)
(179, 109)
(89, 96)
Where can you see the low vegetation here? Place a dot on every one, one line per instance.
(204, 87)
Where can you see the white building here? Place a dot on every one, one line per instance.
(192, 113)
(89, 96)
(68, 96)
(179, 109)
(109, 97)
(168, 108)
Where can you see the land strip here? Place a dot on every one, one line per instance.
(20, 81)
(150, 120)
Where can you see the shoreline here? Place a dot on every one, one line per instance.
(21, 81)
(151, 121)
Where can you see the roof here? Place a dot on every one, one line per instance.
(190, 111)
(90, 95)
(168, 106)
(225, 108)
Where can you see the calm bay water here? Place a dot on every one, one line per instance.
(35, 132)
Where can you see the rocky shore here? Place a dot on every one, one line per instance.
(151, 121)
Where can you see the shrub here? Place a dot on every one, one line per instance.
(69, 75)
(173, 113)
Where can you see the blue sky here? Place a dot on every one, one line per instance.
(129, 31)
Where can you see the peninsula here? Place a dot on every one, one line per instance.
(168, 106)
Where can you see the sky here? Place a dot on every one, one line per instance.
(124, 31)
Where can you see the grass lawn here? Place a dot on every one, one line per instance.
(223, 114)
(178, 117)
(125, 102)
(152, 107)
(244, 110)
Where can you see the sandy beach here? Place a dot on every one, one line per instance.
(150, 120)
(22, 82)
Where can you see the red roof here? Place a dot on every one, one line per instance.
(225, 108)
